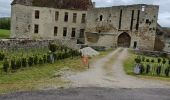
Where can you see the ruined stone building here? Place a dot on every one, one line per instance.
(110, 27)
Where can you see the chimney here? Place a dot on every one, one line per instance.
(94, 4)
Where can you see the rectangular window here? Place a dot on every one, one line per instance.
(137, 25)
(74, 17)
(55, 31)
(73, 34)
(36, 28)
(66, 17)
(82, 33)
(132, 18)
(83, 20)
(65, 31)
(37, 14)
(120, 19)
(56, 15)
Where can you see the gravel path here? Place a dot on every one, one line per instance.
(97, 76)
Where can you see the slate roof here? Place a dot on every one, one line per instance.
(59, 4)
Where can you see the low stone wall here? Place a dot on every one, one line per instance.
(7, 44)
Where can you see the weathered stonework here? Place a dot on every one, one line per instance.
(102, 26)
(106, 23)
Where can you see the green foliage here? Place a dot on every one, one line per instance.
(137, 60)
(21, 59)
(24, 62)
(152, 60)
(30, 61)
(35, 60)
(45, 58)
(147, 60)
(41, 61)
(2, 56)
(18, 64)
(164, 61)
(6, 66)
(4, 34)
(52, 47)
(13, 64)
(5, 23)
(159, 60)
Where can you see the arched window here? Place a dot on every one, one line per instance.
(101, 17)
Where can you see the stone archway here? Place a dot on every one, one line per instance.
(124, 40)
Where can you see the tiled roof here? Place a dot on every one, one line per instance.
(60, 4)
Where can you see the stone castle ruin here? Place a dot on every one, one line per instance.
(80, 22)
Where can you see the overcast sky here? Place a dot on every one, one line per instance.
(164, 13)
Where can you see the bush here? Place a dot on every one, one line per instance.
(152, 60)
(45, 58)
(52, 47)
(41, 61)
(24, 62)
(13, 64)
(18, 64)
(2, 56)
(159, 60)
(30, 61)
(48, 58)
(6, 66)
(137, 60)
(147, 60)
(164, 61)
(143, 58)
(35, 60)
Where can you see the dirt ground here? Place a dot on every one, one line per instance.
(108, 72)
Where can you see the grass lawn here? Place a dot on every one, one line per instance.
(31, 78)
(4, 34)
(129, 67)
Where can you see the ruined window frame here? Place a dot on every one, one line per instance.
(74, 17)
(56, 15)
(73, 33)
(36, 28)
(83, 19)
(82, 31)
(37, 14)
(64, 31)
(101, 18)
(66, 16)
(55, 31)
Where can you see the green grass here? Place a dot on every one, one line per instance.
(4, 34)
(31, 78)
(129, 64)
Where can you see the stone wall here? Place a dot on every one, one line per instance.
(23, 21)
(105, 21)
(10, 44)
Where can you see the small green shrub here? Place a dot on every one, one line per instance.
(6, 66)
(147, 60)
(52, 47)
(18, 64)
(137, 60)
(30, 61)
(152, 60)
(41, 61)
(2, 56)
(143, 59)
(45, 58)
(159, 60)
(24, 62)
(13, 64)
(35, 60)
(164, 61)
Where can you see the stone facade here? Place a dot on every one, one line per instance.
(136, 23)
(110, 27)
